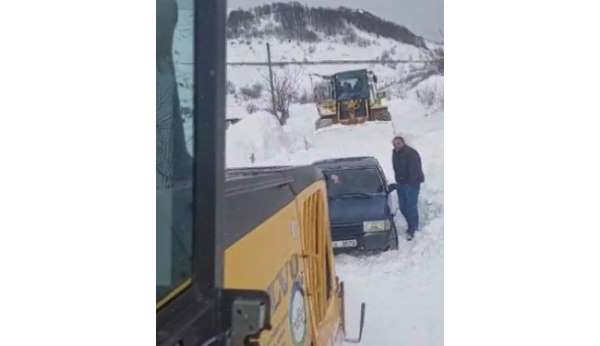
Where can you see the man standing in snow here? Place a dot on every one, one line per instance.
(409, 176)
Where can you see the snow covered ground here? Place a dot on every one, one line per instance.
(403, 289)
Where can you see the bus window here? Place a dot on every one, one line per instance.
(174, 145)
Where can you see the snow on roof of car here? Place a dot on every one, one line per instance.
(348, 162)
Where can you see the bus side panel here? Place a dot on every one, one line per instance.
(269, 259)
(322, 285)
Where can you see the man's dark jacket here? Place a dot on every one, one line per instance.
(407, 166)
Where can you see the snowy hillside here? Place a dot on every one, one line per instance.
(343, 34)
(296, 22)
(299, 33)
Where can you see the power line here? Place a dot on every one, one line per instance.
(326, 62)
(331, 62)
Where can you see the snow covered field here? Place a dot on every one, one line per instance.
(403, 289)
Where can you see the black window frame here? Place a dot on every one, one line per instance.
(209, 142)
(197, 302)
(192, 316)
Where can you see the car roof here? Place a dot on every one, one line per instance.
(348, 163)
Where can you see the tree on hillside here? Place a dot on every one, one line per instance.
(438, 55)
(285, 88)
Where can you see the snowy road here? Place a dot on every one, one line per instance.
(403, 289)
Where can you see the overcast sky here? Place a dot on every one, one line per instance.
(423, 17)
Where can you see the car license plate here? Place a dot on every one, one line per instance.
(344, 243)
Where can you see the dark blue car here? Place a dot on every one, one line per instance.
(358, 205)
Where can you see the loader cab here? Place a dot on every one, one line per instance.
(352, 96)
(351, 85)
(355, 99)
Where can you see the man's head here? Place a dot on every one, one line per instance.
(398, 142)
(335, 178)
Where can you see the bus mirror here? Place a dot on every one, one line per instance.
(250, 314)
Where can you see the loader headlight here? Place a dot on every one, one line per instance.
(376, 226)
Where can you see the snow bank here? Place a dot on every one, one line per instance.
(429, 92)
(403, 289)
(260, 134)
(257, 137)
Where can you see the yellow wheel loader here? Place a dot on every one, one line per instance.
(243, 256)
(349, 97)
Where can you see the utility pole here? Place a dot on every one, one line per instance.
(271, 79)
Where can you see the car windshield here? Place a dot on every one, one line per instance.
(353, 181)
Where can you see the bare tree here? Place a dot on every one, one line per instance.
(285, 88)
(438, 54)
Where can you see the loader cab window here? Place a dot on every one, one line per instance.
(351, 85)
(174, 145)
